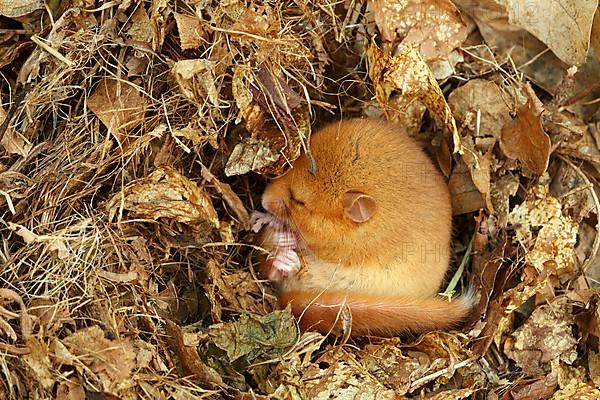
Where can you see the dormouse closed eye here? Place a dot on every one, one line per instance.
(296, 199)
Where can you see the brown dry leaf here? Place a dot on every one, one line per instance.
(524, 139)
(230, 197)
(563, 25)
(541, 228)
(259, 21)
(15, 143)
(196, 80)
(408, 74)
(250, 155)
(191, 33)
(545, 337)
(525, 51)
(198, 137)
(434, 26)
(391, 366)
(481, 110)
(540, 389)
(338, 375)
(140, 28)
(465, 195)
(480, 169)
(12, 46)
(113, 361)
(12, 141)
(187, 354)
(291, 128)
(165, 193)
(70, 391)
(118, 104)
(18, 8)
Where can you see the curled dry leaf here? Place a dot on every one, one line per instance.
(112, 361)
(70, 391)
(524, 139)
(408, 74)
(541, 228)
(53, 243)
(240, 87)
(291, 123)
(119, 105)
(191, 33)
(189, 358)
(230, 197)
(165, 193)
(434, 26)
(39, 365)
(454, 394)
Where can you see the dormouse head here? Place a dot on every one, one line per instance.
(328, 205)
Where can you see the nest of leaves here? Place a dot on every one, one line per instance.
(136, 137)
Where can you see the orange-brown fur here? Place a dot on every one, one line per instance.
(388, 269)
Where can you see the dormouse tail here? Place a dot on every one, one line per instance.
(377, 315)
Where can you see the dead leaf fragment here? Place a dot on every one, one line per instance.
(481, 110)
(577, 390)
(545, 337)
(256, 338)
(112, 361)
(540, 389)
(140, 29)
(564, 26)
(410, 76)
(191, 33)
(339, 375)
(524, 139)
(165, 193)
(17, 8)
(465, 195)
(552, 248)
(250, 155)
(189, 358)
(119, 105)
(196, 80)
(230, 197)
(434, 26)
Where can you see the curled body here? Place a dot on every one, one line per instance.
(368, 229)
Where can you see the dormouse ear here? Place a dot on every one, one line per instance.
(359, 207)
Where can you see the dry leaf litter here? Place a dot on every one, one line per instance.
(136, 137)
